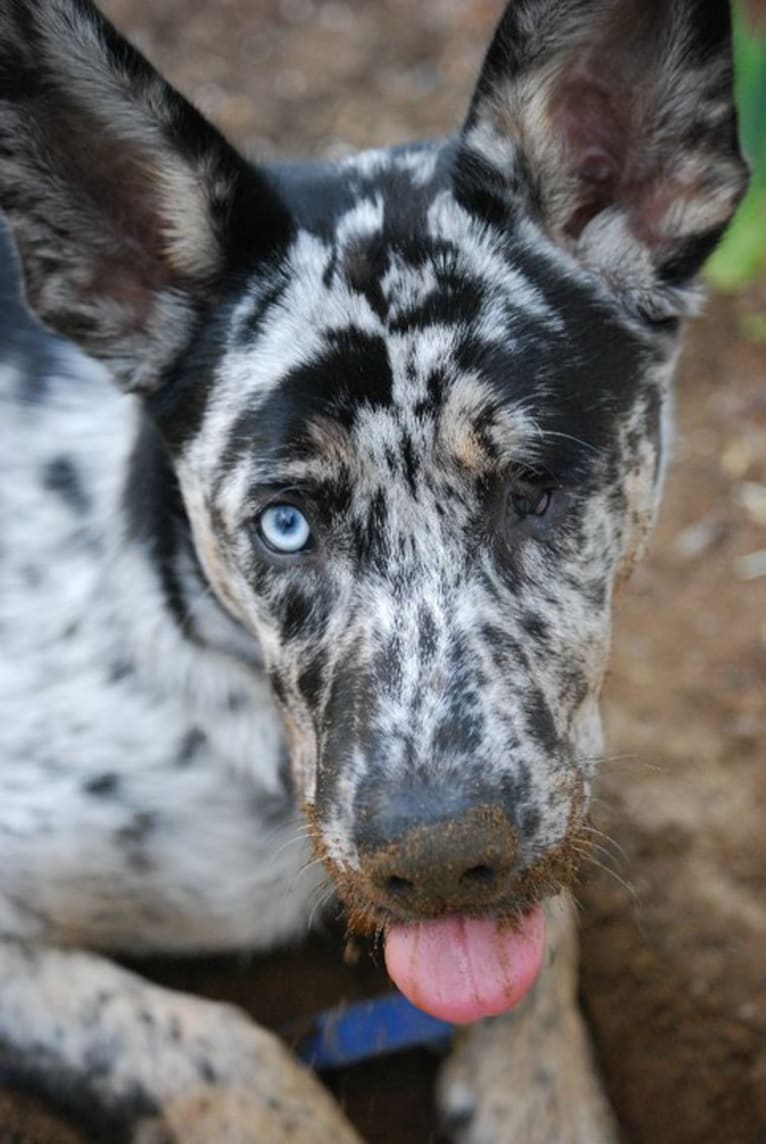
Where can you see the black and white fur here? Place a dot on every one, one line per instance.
(454, 360)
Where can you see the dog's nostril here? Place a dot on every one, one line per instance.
(478, 876)
(398, 886)
(443, 867)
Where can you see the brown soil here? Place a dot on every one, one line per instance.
(674, 962)
(674, 927)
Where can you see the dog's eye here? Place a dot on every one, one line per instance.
(284, 528)
(531, 502)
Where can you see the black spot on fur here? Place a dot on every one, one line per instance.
(436, 387)
(460, 734)
(505, 650)
(530, 821)
(456, 301)
(536, 628)
(133, 840)
(249, 329)
(427, 635)
(596, 591)
(409, 463)
(206, 1071)
(346, 722)
(298, 608)
(387, 665)
(364, 265)
(539, 720)
(155, 513)
(278, 687)
(79, 1096)
(103, 786)
(120, 669)
(193, 742)
(354, 371)
(156, 517)
(310, 681)
(516, 785)
(61, 476)
(573, 686)
(367, 534)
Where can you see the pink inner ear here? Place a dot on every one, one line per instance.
(596, 166)
(593, 124)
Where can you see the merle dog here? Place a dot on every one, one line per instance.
(334, 569)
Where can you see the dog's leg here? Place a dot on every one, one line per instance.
(530, 1076)
(158, 1066)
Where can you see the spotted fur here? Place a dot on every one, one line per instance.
(453, 359)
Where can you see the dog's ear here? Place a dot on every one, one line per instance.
(611, 123)
(126, 206)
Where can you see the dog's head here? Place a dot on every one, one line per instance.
(413, 400)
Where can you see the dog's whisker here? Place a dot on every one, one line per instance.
(577, 901)
(569, 437)
(628, 761)
(302, 871)
(320, 903)
(597, 848)
(599, 800)
(590, 829)
(603, 760)
(612, 873)
(309, 865)
(298, 837)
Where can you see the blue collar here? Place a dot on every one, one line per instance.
(349, 1034)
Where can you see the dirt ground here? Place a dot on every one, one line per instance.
(674, 924)
(674, 959)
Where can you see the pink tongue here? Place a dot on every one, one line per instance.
(461, 969)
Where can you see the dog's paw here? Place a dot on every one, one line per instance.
(295, 1110)
(150, 1065)
(505, 1086)
(240, 1117)
(251, 1090)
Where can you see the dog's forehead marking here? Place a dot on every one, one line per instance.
(418, 163)
(429, 338)
(363, 220)
(325, 285)
(485, 256)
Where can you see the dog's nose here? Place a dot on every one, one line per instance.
(454, 865)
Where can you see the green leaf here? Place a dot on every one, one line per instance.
(742, 255)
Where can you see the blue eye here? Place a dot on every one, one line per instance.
(284, 528)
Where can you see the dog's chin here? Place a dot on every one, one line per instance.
(460, 964)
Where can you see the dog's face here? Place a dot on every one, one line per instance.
(424, 457)
(414, 402)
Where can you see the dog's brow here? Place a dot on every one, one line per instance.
(319, 456)
(329, 439)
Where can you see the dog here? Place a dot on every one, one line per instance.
(312, 551)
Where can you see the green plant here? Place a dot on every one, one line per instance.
(742, 256)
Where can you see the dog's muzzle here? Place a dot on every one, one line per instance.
(441, 870)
